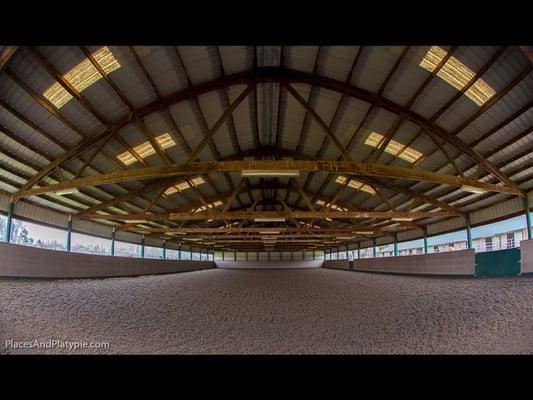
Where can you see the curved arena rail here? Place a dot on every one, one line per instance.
(516, 261)
(32, 262)
(450, 263)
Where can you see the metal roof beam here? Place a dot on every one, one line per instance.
(336, 167)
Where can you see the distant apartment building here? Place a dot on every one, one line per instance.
(499, 241)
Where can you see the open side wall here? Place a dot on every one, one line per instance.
(25, 261)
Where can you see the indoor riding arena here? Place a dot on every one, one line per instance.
(266, 199)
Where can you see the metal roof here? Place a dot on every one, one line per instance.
(354, 90)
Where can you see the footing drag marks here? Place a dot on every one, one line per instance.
(271, 312)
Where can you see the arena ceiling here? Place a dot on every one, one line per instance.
(266, 147)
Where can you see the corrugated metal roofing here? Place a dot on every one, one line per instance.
(174, 69)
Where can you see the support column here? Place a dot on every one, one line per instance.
(395, 245)
(358, 249)
(468, 233)
(528, 219)
(164, 250)
(426, 240)
(190, 254)
(346, 252)
(9, 220)
(69, 232)
(142, 247)
(179, 251)
(113, 242)
(374, 248)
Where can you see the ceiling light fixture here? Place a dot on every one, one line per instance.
(67, 191)
(248, 173)
(402, 219)
(269, 219)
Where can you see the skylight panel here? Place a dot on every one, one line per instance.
(82, 76)
(146, 149)
(333, 206)
(126, 158)
(354, 184)
(393, 147)
(197, 181)
(208, 206)
(165, 141)
(458, 75)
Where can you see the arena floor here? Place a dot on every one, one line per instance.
(272, 312)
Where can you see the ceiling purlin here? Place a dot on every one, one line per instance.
(411, 101)
(450, 102)
(337, 167)
(204, 123)
(116, 89)
(279, 133)
(381, 89)
(54, 166)
(330, 134)
(312, 93)
(493, 100)
(495, 150)
(374, 156)
(44, 63)
(193, 156)
(230, 123)
(125, 100)
(75, 150)
(318, 120)
(277, 75)
(138, 121)
(148, 134)
(277, 186)
(325, 140)
(526, 151)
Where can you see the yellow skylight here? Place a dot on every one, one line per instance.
(333, 207)
(165, 141)
(82, 76)
(205, 207)
(146, 149)
(184, 185)
(458, 75)
(394, 147)
(197, 181)
(126, 158)
(355, 184)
